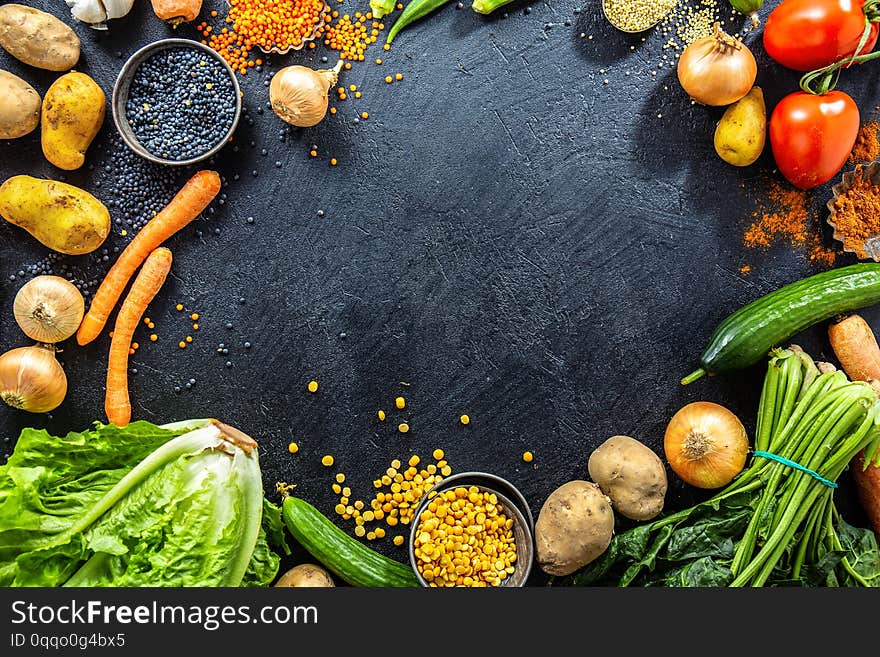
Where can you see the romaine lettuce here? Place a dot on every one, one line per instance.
(180, 505)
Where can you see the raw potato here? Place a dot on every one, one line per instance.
(37, 38)
(19, 107)
(632, 475)
(73, 113)
(742, 131)
(63, 217)
(574, 527)
(306, 575)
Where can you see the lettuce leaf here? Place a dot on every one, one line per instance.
(139, 506)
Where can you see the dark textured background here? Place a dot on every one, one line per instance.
(506, 234)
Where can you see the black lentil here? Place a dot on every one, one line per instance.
(181, 103)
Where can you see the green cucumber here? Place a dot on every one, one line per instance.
(346, 557)
(746, 336)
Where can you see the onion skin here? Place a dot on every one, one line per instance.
(299, 94)
(31, 379)
(48, 309)
(717, 70)
(706, 445)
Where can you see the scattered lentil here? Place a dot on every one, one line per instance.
(313, 386)
(293, 448)
(465, 419)
(327, 461)
(281, 25)
(528, 457)
(381, 415)
(400, 402)
(403, 427)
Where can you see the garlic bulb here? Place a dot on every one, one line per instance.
(96, 12)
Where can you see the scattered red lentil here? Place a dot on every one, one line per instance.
(281, 24)
(745, 269)
(332, 161)
(153, 337)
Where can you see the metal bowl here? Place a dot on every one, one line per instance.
(123, 83)
(639, 30)
(870, 172)
(515, 507)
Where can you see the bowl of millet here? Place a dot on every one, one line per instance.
(176, 102)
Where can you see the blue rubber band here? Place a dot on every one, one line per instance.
(796, 466)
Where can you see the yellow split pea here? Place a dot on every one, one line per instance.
(464, 539)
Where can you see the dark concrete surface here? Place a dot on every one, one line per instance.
(506, 234)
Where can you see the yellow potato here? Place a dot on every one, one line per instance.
(73, 113)
(742, 131)
(19, 107)
(63, 217)
(37, 38)
(306, 575)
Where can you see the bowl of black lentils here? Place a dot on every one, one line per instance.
(176, 102)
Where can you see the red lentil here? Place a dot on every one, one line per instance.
(281, 24)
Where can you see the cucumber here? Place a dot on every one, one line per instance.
(746, 336)
(348, 558)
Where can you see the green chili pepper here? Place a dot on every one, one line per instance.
(381, 8)
(488, 6)
(748, 8)
(415, 10)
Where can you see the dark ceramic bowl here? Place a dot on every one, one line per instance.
(123, 83)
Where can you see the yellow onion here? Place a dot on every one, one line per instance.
(706, 445)
(299, 94)
(48, 308)
(31, 379)
(717, 70)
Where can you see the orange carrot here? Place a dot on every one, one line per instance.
(148, 282)
(195, 196)
(868, 488)
(856, 348)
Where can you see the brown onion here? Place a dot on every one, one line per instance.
(717, 70)
(299, 94)
(48, 308)
(31, 379)
(706, 445)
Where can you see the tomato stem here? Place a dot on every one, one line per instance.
(823, 80)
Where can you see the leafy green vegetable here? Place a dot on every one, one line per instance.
(140, 506)
(774, 524)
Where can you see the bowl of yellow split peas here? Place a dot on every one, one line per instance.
(473, 530)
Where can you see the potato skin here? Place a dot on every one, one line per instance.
(632, 475)
(574, 527)
(742, 131)
(73, 113)
(63, 217)
(306, 575)
(19, 107)
(37, 38)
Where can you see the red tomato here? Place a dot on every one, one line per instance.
(812, 136)
(810, 34)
